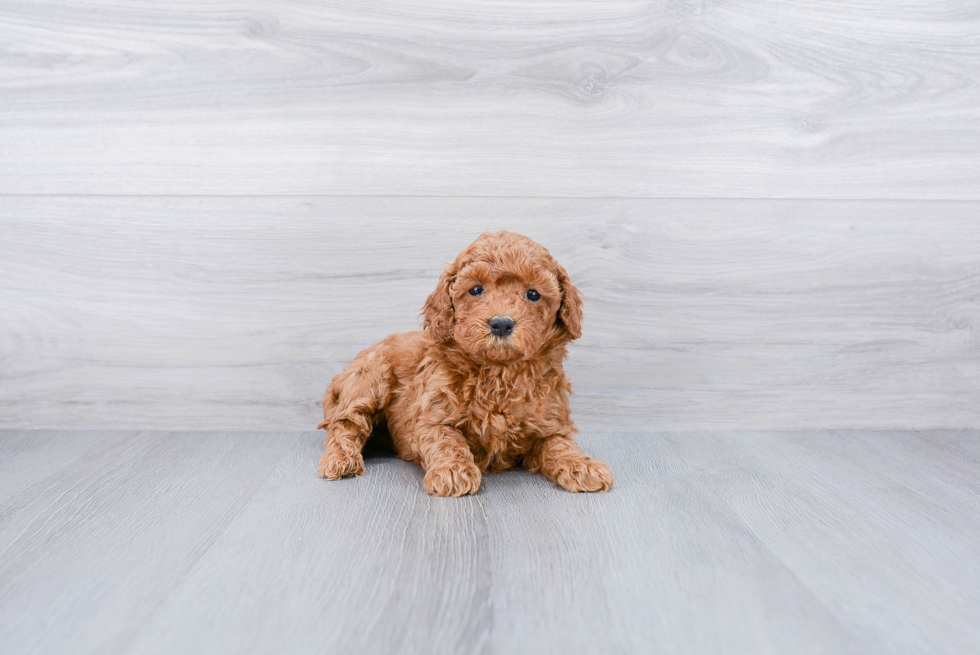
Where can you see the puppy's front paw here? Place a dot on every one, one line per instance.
(584, 474)
(453, 480)
(335, 465)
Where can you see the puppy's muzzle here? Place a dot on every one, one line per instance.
(501, 326)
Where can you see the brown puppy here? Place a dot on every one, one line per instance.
(482, 389)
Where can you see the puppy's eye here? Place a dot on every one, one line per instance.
(476, 291)
(532, 295)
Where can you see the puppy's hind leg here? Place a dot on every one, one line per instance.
(353, 402)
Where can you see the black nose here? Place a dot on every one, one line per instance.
(501, 326)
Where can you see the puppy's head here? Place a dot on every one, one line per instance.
(504, 299)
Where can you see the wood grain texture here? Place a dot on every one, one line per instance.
(118, 527)
(211, 313)
(632, 98)
(711, 542)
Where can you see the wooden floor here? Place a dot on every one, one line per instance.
(711, 542)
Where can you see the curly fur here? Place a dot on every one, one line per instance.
(459, 400)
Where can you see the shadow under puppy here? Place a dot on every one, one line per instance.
(482, 387)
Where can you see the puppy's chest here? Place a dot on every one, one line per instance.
(499, 416)
(503, 413)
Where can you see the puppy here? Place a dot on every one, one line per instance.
(482, 388)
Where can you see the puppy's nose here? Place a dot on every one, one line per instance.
(501, 326)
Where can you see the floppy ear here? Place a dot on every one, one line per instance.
(438, 311)
(570, 311)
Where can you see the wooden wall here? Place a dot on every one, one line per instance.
(772, 208)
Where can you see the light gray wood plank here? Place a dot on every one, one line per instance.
(682, 98)
(234, 313)
(711, 542)
(865, 508)
(659, 564)
(30, 459)
(87, 554)
(366, 565)
(374, 565)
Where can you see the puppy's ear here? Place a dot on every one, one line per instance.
(438, 311)
(570, 312)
